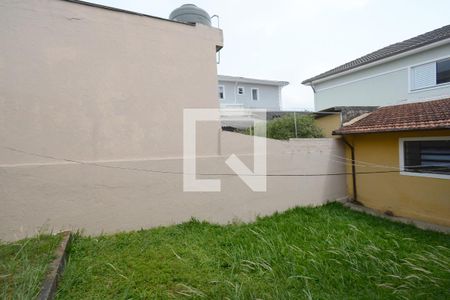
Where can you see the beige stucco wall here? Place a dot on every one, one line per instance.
(108, 89)
(95, 84)
(422, 198)
(99, 198)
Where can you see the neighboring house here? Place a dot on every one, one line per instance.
(240, 92)
(399, 154)
(401, 157)
(413, 70)
(332, 118)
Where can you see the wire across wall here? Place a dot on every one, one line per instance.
(339, 160)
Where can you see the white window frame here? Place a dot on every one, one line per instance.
(223, 91)
(433, 87)
(402, 156)
(243, 90)
(257, 94)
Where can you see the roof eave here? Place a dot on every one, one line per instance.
(312, 80)
(228, 78)
(337, 132)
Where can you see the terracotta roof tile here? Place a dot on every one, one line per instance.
(405, 117)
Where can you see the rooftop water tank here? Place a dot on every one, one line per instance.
(190, 13)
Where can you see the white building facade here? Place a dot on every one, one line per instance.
(413, 70)
(247, 93)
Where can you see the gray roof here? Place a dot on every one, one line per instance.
(251, 80)
(394, 49)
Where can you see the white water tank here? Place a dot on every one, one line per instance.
(190, 13)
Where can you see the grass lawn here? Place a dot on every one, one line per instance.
(23, 265)
(327, 252)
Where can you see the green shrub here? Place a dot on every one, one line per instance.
(284, 128)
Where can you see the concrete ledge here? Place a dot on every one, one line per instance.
(418, 224)
(48, 290)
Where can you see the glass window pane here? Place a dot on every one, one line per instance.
(254, 94)
(427, 156)
(443, 71)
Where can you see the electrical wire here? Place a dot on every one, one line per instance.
(204, 174)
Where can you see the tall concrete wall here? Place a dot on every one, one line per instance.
(132, 194)
(91, 137)
(95, 84)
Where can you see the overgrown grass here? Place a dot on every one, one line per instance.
(327, 252)
(23, 266)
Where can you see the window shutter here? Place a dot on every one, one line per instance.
(431, 156)
(423, 76)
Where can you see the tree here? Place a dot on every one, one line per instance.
(290, 126)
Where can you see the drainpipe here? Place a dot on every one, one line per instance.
(352, 150)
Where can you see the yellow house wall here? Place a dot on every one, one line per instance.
(421, 198)
(328, 124)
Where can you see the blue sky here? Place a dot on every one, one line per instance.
(292, 40)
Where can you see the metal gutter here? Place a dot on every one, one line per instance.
(393, 130)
